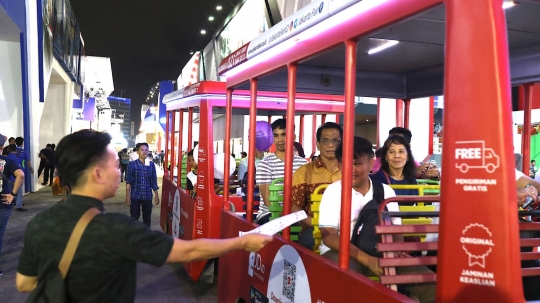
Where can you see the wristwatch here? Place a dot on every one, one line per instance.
(14, 195)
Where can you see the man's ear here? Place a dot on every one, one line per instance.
(97, 175)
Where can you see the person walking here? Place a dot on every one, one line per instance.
(141, 180)
(124, 162)
(8, 169)
(104, 267)
(49, 167)
(12, 149)
(43, 159)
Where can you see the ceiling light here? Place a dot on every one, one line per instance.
(381, 44)
(211, 18)
(191, 52)
(203, 32)
(508, 3)
(367, 120)
(219, 7)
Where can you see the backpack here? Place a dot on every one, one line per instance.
(124, 158)
(52, 287)
(364, 236)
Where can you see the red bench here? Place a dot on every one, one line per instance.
(388, 247)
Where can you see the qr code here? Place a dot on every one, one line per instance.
(289, 280)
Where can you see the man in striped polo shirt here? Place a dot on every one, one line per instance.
(273, 167)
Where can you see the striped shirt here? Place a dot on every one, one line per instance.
(271, 168)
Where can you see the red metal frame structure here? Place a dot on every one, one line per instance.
(476, 77)
(526, 139)
(200, 217)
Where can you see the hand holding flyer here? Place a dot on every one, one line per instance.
(275, 226)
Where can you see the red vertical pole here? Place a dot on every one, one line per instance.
(377, 140)
(190, 130)
(526, 135)
(337, 119)
(399, 112)
(251, 153)
(314, 137)
(323, 119)
(180, 141)
(289, 145)
(406, 112)
(477, 77)
(301, 136)
(227, 147)
(348, 146)
(167, 137)
(173, 140)
(430, 126)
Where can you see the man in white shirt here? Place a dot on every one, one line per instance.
(362, 194)
(134, 155)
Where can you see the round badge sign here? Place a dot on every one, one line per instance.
(176, 215)
(288, 278)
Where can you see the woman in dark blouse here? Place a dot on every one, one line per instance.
(397, 165)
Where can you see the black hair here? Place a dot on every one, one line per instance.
(233, 155)
(11, 138)
(533, 161)
(53, 146)
(12, 148)
(5, 151)
(279, 123)
(409, 171)
(138, 145)
(405, 133)
(19, 141)
(79, 151)
(329, 125)
(244, 154)
(190, 153)
(362, 147)
(48, 145)
(299, 149)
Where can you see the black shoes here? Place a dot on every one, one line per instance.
(20, 209)
(44, 184)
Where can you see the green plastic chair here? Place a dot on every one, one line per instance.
(276, 206)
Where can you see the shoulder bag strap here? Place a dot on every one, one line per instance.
(74, 240)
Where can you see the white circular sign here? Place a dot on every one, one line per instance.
(176, 215)
(288, 278)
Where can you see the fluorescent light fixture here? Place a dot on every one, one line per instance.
(219, 7)
(381, 44)
(211, 18)
(508, 4)
(203, 32)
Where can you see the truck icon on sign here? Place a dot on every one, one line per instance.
(474, 154)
